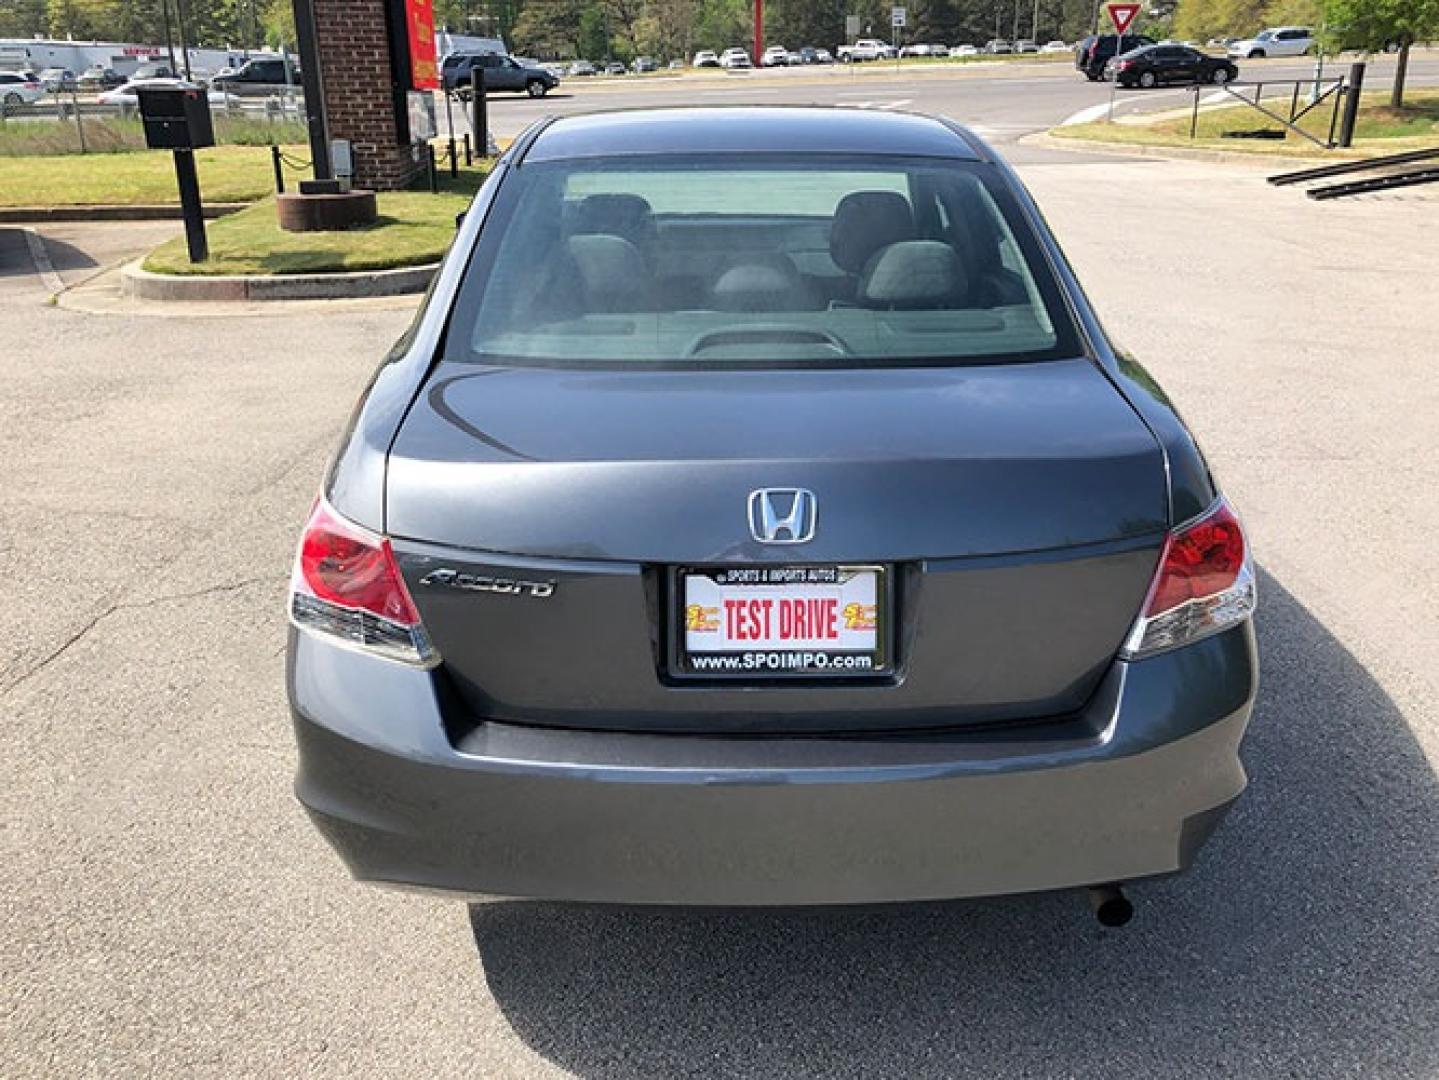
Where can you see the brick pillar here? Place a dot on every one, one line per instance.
(360, 86)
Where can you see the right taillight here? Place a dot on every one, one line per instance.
(1204, 584)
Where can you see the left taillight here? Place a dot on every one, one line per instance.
(1204, 584)
(347, 585)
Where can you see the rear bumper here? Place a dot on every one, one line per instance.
(1129, 789)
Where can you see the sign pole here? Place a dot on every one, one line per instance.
(190, 208)
(1122, 15)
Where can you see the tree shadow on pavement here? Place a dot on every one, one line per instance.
(16, 260)
(1304, 943)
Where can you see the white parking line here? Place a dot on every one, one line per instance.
(41, 258)
(1084, 116)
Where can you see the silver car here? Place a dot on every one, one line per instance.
(757, 513)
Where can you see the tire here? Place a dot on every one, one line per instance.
(1256, 54)
(13, 98)
(1219, 76)
(536, 89)
(1148, 81)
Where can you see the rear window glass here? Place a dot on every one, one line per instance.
(804, 261)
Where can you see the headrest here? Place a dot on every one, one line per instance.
(914, 274)
(623, 215)
(864, 222)
(612, 272)
(761, 283)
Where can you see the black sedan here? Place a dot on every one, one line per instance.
(1158, 65)
(757, 513)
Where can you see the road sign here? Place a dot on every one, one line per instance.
(897, 16)
(851, 27)
(1122, 16)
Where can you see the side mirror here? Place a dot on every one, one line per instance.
(459, 219)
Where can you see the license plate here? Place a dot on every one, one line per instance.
(769, 621)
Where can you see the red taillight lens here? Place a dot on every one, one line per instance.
(1204, 584)
(350, 566)
(347, 584)
(1200, 560)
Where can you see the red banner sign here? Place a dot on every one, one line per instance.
(420, 19)
(1122, 16)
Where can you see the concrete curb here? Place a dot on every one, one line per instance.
(141, 284)
(144, 212)
(1181, 153)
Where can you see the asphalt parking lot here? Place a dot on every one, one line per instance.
(169, 910)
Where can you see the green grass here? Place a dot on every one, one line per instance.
(414, 228)
(227, 174)
(1380, 128)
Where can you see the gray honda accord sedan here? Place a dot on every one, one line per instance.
(757, 513)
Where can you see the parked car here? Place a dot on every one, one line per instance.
(259, 77)
(676, 65)
(582, 69)
(996, 47)
(20, 88)
(1025, 46)
(614, 67)
(643, 64)
(55, 80)
(128, 96)
(1156, 65)
(810, 55)
(502, 73)
(864, 49)
(915, 50)
(1278, 41)
(154, 69)
(939, 51)
(735, 59)
(1094, 52)
(706, 58)
(1055, 46)
(964, 50)
(966, 614)
(99, 77)
(775, 56)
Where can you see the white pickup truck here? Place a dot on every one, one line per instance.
(864, 49)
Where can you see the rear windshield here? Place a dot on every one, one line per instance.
(812, 260)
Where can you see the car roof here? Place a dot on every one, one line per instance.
(750, 129)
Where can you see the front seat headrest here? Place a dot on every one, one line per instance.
(864, 222)
(914, 274)
(623, 215)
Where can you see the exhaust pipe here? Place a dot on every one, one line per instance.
(1110, 906)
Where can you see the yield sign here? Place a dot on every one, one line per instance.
(1122, 16)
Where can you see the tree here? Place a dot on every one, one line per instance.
(1373, 25)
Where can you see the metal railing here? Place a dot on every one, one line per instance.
(1337, 91)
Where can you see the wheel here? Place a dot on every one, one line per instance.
(535, 88)
(13, 98)
(1257, 54)
(1148, 81)
(1092, 76)
(1219, 76)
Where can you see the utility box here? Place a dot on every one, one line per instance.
(176, 118)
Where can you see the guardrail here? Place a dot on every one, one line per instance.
(1364, 185)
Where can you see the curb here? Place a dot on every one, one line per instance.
(141, 284)
(142, 212)
(1178, 153)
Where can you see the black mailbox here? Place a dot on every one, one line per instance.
(176, 118)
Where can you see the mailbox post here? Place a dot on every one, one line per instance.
(178, 119)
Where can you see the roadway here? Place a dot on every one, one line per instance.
(167, 910)
(1002, 102)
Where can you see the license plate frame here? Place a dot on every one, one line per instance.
(780, 664)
